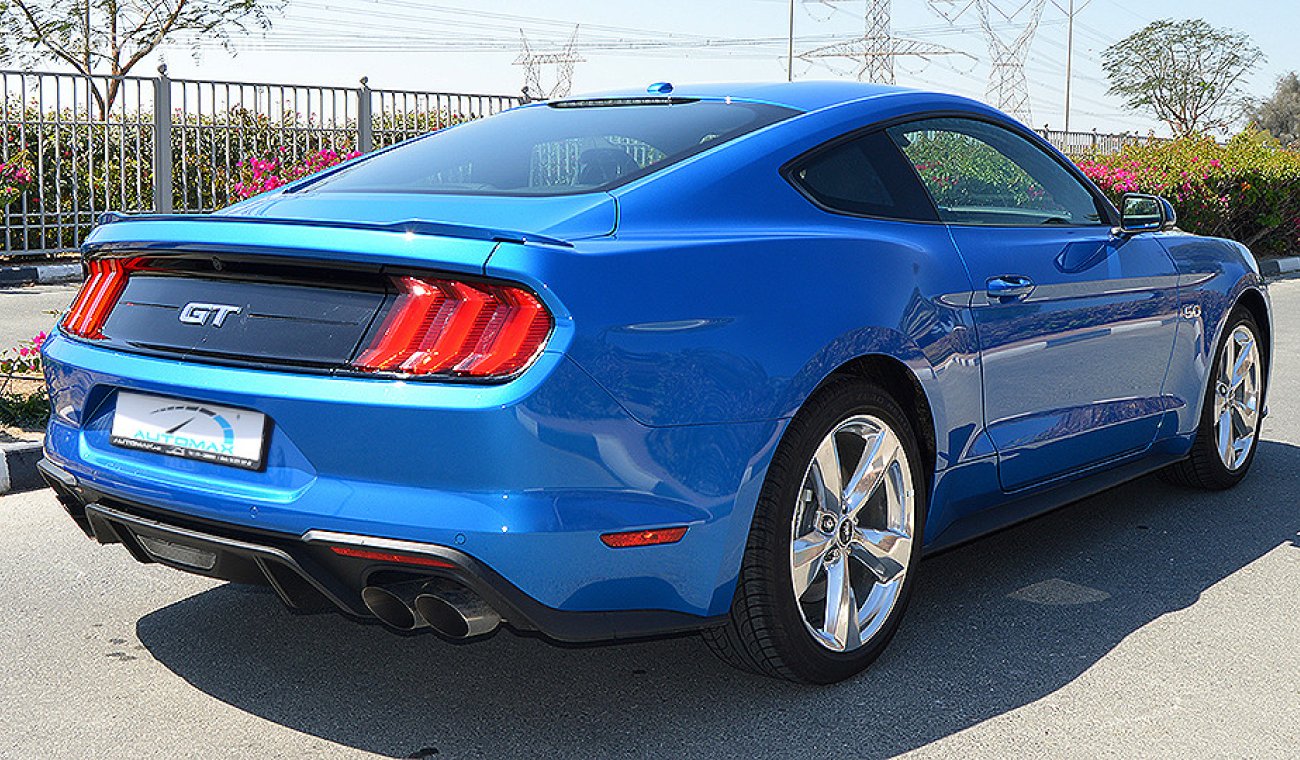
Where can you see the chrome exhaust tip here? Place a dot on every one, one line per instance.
(456, 613)
(395, 605)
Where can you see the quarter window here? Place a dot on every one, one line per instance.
(865, 176)
(979, 173)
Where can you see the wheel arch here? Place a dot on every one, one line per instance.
(1253, 301)
(905, 387)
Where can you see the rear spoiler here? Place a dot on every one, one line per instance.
(410, 227)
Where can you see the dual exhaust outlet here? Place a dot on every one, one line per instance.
(453, 611)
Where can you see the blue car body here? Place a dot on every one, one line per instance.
(695, 310)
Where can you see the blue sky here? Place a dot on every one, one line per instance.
(338, 41)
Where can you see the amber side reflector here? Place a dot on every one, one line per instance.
(378, 556)
(643, 537)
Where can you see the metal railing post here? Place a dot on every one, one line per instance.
(162, 142)
(365, 118)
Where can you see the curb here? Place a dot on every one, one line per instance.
(1277, 267)
(40, 274)
(18, 466)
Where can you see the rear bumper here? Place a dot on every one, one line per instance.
(522, 478)
(308, 577)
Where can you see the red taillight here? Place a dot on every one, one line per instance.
(380, 556)
(104, 285)
(449, 327)
(643, 537)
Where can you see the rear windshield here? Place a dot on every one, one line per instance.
(555, 149)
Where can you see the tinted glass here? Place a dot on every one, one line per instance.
(555, 149)
(866, 176)
(979, 173)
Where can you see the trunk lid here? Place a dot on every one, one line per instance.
(245, 321)
(568, 217)
(307, 293)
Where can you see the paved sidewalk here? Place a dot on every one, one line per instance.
(25, 311)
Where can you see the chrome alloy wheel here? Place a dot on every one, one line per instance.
(851, 540)
(1236, 398)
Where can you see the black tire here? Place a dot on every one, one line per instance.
(765, 632)
(1203, 468)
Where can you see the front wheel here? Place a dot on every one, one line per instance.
(1228, 433)
(834, 543)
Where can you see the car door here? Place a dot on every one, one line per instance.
(1076, 325)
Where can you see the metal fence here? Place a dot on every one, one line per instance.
(1079, 144)
(92, 144)
(82, 153)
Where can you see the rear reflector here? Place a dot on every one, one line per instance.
(643, 537)
(449, 327)
(378, 556)
(104, 284)
(189, 556)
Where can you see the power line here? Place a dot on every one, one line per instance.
(413, 26)
(878, 48)
(563, 60)
(1007, 87)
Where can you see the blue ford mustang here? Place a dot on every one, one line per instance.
(728, 359)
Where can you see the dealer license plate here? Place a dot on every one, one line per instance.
(188, 429)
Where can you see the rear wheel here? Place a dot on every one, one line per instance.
(835, 538)
(1228, 433)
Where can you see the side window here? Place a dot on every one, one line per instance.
(979, 173)
(864, 176)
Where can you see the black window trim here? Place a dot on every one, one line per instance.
(1109, 213)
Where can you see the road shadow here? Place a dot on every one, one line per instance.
(995, 625)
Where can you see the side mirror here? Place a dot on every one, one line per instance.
(1145, 213)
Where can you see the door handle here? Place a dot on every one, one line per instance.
(1010, 287)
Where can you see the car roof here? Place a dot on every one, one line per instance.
(804, 95)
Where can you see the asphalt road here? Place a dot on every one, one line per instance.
(26, 311)
(1147, 621)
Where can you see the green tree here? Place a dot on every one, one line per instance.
(1279, 115)
(1187, 73)
(112, 36)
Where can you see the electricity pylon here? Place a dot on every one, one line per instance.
(877, 49)
(564, 60)
(1009, 27)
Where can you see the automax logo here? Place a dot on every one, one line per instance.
(170, 437)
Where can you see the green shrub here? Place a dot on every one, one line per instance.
(962, 171)
(1247, 189)
(22, 394)
(93, 166)
(16, 179)
(25, 410)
